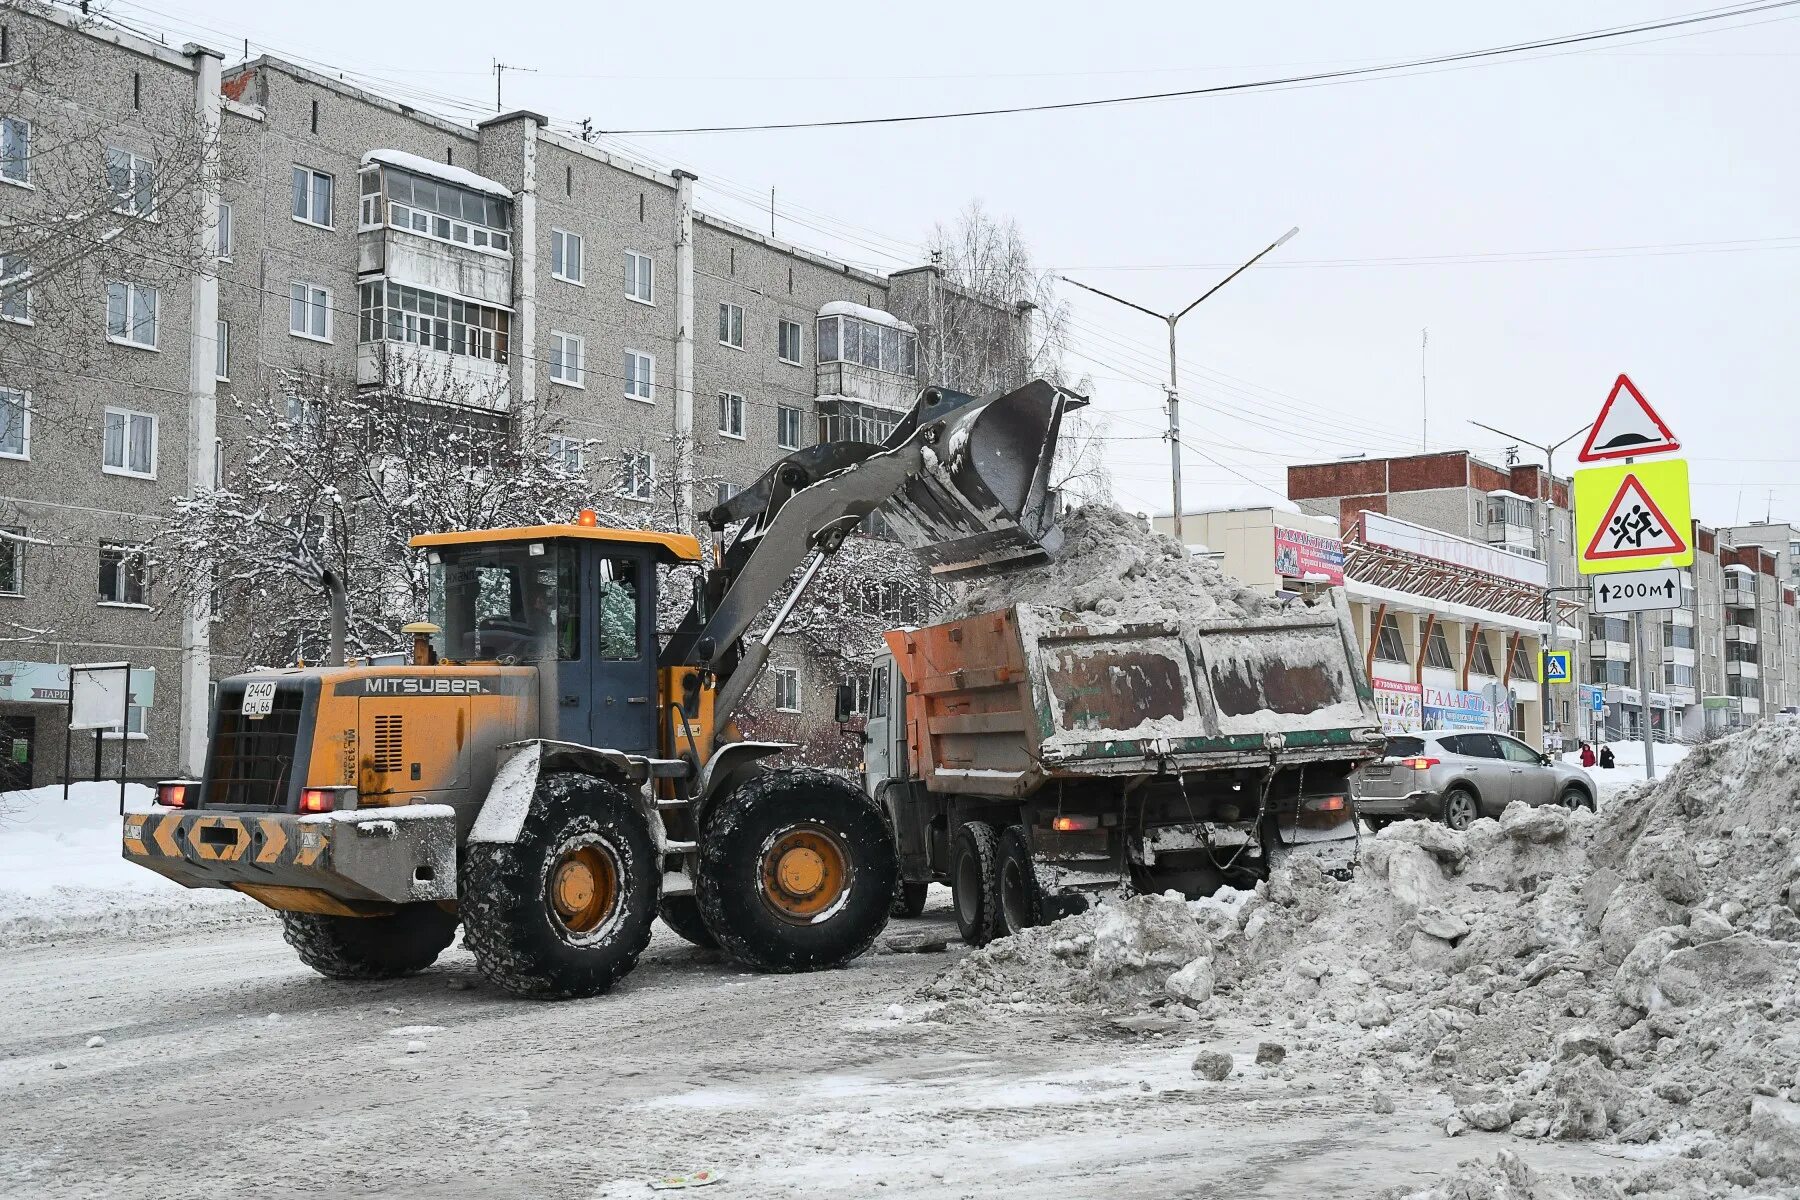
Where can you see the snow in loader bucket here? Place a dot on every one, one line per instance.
(983, 501)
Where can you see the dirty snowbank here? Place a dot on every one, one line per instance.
(1113, 568)
(62, 873)
(1631, 977)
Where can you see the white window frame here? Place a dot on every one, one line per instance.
(558, 362)
(731, 415)
(130, 549)
(781, 413)
(15, 550)
(637, 261)
(562, 447)
(787, 686)
(24, 177)
(124, 468)
(22, 271)
(312, 302)
(639, 485)
(134, 725)
(782, 324)
(222, 352)
(313, 175)
(133, 296)
(724, 492)
(560, 241)
(137, 168)
(22, 399)
(650, 384)
(731, 323)
(225, 231)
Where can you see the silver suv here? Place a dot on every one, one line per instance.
(1457, 775)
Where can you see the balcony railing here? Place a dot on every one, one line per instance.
(1744, 670)
(1741, 633)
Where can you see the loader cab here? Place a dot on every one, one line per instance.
(577, 602)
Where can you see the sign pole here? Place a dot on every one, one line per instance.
(124, 738)
(1638, 647)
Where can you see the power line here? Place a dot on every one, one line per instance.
(1315, 78)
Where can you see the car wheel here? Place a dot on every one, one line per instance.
(1573, 797)
(1460, 808)
(1377, 824)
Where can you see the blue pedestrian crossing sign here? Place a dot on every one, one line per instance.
(1557, 667)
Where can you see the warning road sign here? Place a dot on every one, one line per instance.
(1633, 518)
(1627, 427)
(1557, 667)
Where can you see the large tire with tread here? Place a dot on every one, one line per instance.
(566, 909)
(682, 914)
(975, 883)
(909, 898)
(1461, 808)
(797, 871)
(1023, 904)
(401, 943)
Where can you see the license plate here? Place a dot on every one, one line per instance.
(259, 699)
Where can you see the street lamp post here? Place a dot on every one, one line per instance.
(1550, 560)
(1172, 319)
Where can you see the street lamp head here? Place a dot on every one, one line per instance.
(1283, 239)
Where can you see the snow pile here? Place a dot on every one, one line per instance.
(1631, 977)
(1111, 567)
(62, 872)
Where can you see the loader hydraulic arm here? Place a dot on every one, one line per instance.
(966, 479)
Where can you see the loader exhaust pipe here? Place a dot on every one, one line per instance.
(340, 617)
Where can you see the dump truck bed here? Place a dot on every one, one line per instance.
(1002, 703)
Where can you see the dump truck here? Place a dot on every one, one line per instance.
(1035, 762)
(548, 772)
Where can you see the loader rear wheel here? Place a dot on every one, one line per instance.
(1022, 902)
(564, 910)
(796, 871)
(682, 914)
(401, 943)
(974, 883)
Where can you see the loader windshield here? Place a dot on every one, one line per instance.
(505, 603)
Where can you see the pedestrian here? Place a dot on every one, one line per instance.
(1606, 758)
(1587, 755)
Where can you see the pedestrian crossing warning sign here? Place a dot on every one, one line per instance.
(1634, 517)
(1557, 667)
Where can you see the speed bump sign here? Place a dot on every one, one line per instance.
(1557, 668)
(1634, 517)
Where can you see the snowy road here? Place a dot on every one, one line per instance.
(229, 1069)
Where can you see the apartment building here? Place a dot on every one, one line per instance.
(530, 275)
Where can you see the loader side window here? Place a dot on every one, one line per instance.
(506, 604)
(619, 597)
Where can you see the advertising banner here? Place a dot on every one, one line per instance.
(1312, 557)
(48, 683)
(1400, 704)
(1448, 708)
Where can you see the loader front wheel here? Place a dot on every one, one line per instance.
(796, 871)
(564, 910)
(975, 883)
(682, 914)
(403, 942)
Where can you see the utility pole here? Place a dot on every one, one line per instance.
(1546, 498)
(1424, 395)
(1172, 320)
(500, 69)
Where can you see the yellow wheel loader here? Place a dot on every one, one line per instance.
(541, 771)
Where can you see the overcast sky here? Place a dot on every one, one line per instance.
(1679, 148)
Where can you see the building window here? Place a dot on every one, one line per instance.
(565, 256)
(15, 290)
(731, 414)
(640, 277)
(787, 689)
(123, 573)
(12, 562)
(309, 311)
(1678, 675)
(225, 232)
(1609, 629)
(568, 452)
(1678, 635)
(731, 326)
(131, 178)
(844, 420)
(15, 150)
(868, 344)
(640, 376)
(1481, 660)
(1522, 666)
(395, 312)
(436, 208)
(725, 492)
(15, 424)
(131, 314)
(129, 444)
(565, 359)
(787, 342)
(312, 197)
(1389, 645)
(222, 352)
(638, 480)
(1437, 650)
(787, 427)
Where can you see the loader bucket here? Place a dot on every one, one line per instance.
(983, 501)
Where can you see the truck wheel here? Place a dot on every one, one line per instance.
(682, 914)
(797, 871)
(405, 941)
(909, 898)
(1022, 903)
(975, 883)
(566, 909)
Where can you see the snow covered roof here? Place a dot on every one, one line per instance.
(437, 170)
(862, 312)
